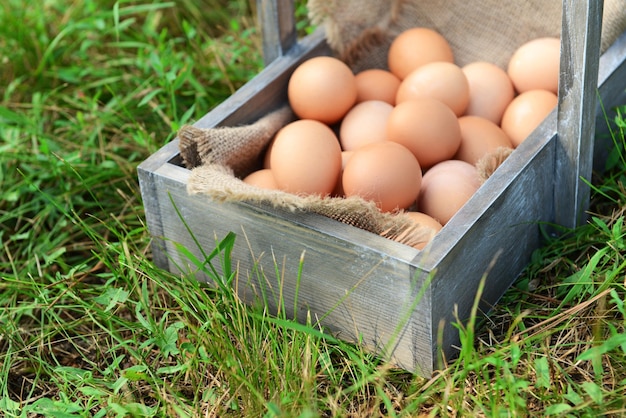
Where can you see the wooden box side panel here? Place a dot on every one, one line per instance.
(612, 91)
(361, 294)
(508, 229)
(148, 186)
(503, 234)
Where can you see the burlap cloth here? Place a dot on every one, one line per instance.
(360, 32)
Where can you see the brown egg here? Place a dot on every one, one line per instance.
(525, 113)
(535, 65)
(306, 158)
(443, 81)
(490, 90)
(322, 88)
(479, 136)
(385, 173)
(263, 178)
(376, 84)
(446, 187)
(416, 47)
(425, 221)
(365, 123)
(338, 191)
(427, 127)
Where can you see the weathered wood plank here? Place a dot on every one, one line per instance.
(611, 75)
(361, 293)
(278, 27)
(495, 234)
(580, 53)
(148, 184)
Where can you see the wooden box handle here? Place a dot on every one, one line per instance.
(576, 115)
(278, 27)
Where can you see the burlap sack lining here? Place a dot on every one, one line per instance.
(222, 156)
(360, 31)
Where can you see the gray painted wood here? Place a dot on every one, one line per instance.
(278, 27)
(359, 284)
(493, 236)
(580, 46)
(611, 75)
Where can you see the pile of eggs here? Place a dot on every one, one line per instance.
(408, 138)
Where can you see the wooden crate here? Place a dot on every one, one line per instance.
(396, 300)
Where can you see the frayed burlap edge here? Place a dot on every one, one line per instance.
(360, 31)
(214, 178)
(237, 147)
(489, 163)
(218, 183)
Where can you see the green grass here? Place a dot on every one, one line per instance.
(90, 327)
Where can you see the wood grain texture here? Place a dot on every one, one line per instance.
(278, 27)
(611, 75)
(580, 54)
(362, 285)
(358, 293)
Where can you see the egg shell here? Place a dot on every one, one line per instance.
(306, 158)
(365, 123)
(425, 221)
(322, 88)
(383, 172)
(427, 127)
(443, 81)
(525, 113)
(535, 65)
(415, 47)
(376, 84)
(490, 90)
(446, 187)
(338, 191)
(479, 136)
(426, 226)
(263, 179)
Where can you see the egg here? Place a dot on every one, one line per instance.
(415, 47)
(427, 127)
(365, 123)
(443, 81)
(425, 221)
(525, 113)
(323, 89)
(446, 187)
(306, 158)
(338, 190)
(386, 173)
(479, 136)
(420, 231)
(490, 90)
(376, 84)
(263, 179)
(535, 65)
